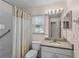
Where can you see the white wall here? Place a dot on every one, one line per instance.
(74, 6)
(73, 34)
(6, 19)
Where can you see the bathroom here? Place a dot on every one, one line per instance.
(39, 29)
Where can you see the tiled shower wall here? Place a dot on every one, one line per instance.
(6, 19)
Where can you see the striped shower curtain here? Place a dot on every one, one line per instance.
(21, 33)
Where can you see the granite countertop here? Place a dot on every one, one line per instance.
(58, 44)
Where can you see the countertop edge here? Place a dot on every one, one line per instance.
(58, 47)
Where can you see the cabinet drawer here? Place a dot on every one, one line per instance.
(47, 55)
(53, 55)
(57, 50)
(62, 56)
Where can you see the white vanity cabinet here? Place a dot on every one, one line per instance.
(51, 52)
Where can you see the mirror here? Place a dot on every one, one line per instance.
(67, 23)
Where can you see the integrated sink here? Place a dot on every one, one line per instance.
(54, 42)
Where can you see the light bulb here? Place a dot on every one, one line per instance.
(49, 12)
(53, 11)
(57, 10)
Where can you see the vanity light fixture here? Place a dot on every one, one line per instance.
(55, 11)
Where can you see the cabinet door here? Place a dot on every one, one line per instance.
(53, 55)
(48, 55)
(57, 50)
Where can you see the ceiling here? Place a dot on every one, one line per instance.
(33, 3)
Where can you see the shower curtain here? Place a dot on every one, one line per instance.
(22, 33)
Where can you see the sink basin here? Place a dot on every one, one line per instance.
(58, 43)
(54, 42)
